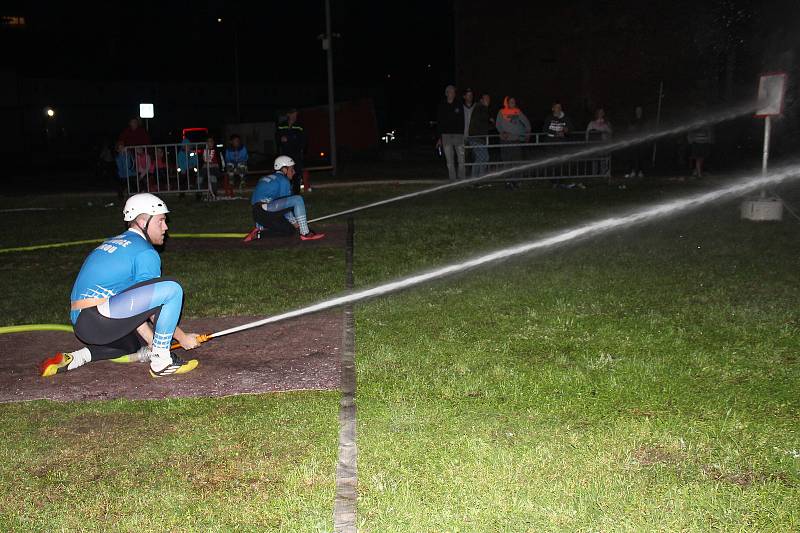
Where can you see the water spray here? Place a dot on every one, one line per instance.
(599, 148)
(590, 229)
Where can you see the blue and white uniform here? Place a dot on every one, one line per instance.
(126, 270)
(273, 193)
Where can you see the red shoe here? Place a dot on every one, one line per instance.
(311, 236)
(255, 233)
(54, 365)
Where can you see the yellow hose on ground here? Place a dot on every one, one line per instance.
(90, 241)
(24, 328)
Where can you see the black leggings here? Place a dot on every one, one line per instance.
(274, 222)
(108, 338)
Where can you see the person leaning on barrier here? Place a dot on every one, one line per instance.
(121, 307)
(599, 126)
(601, 129)
(275, 209)
(557, 125)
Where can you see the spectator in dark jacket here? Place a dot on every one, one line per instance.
(134, 134)
(479, 124)
(637, 152)
(450, 131)
(557, 125)
(292, 142)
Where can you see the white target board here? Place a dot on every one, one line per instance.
(771, 88)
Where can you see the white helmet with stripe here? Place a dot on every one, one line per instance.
(143, 204)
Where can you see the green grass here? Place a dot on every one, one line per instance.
(645, 380)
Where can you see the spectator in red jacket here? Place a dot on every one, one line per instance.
(134, 134)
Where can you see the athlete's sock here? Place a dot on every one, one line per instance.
(160, 358)
(301, 220)
(142, 355)
(79, 358)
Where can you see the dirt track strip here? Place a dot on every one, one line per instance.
(300, 354)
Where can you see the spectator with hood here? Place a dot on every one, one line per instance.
(514, 128)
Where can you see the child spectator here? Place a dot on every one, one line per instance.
(187, 165)
(144, 166)
(599, 128)
(125, 169)
(159, 174)
(236, 162)
(209, 174)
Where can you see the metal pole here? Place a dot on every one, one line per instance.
(765, 155)
(328, 43)
(658, 117)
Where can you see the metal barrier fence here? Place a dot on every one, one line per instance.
(488, 153)
(170, 168)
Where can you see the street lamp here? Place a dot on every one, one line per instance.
(50, 112)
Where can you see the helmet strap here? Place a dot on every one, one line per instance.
(144, 229)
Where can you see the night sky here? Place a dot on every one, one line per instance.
(140, 39)
(584, 53)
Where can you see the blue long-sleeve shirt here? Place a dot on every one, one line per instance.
(270, 187)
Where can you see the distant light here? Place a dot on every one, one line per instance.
(322, 154)
(50, 112)
(146, 111)
(12, 21)
(219, 19)
(429, 65)
(219, 146)
(192, 154)
(388, 75)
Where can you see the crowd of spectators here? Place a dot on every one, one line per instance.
(467, 127)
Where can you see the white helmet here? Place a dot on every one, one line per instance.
(143, 203)
(283, 161)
